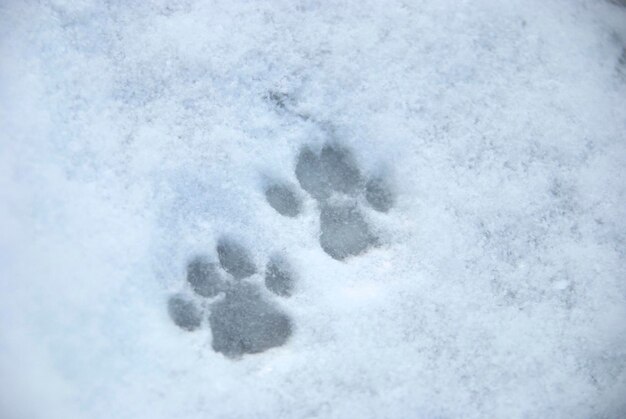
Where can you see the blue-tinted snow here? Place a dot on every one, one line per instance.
(134, 135)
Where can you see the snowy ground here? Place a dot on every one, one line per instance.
(134, 134)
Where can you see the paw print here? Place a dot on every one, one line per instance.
(335, 181)
(241, 319)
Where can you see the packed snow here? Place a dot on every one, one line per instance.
(307, 209)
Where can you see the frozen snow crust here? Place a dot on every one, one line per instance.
(474, 153)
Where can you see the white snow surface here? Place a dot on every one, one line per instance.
(134, 134)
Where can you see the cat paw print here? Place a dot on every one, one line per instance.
(241, 317)
(333, 178)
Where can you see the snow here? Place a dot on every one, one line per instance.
(135, 135)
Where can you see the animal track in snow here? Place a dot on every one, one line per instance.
(241, 319)
(333, 178)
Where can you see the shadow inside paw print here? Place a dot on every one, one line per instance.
(184, 312)
(330, 177)
(242, 321)
(344, 231)
(283, 199)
